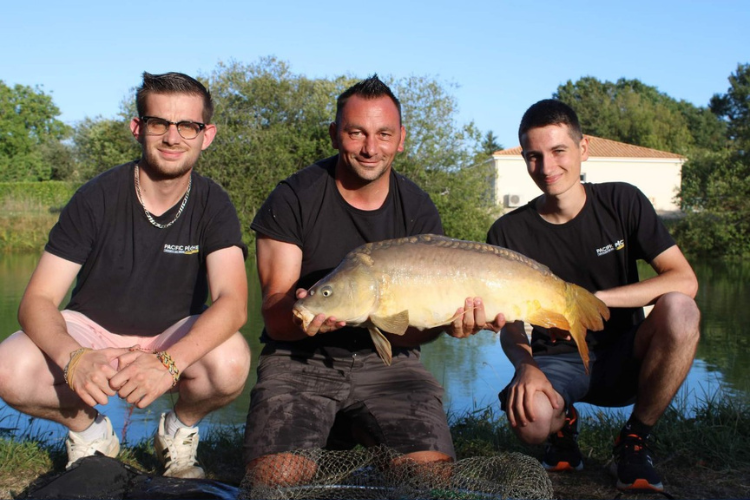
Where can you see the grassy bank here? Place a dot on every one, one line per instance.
(28, 210)
(703, 455)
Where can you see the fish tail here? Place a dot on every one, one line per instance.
(584, 312)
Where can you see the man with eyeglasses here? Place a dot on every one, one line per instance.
(147, 241)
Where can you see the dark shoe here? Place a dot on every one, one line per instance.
(633, 466)
(561, 451)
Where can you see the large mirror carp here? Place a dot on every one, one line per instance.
(420, 281)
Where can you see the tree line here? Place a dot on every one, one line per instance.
(273, 122)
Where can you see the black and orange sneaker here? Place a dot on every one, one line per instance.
(561, 452)
(633, 466)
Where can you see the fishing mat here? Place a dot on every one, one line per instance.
(100, 477)
(371, 474)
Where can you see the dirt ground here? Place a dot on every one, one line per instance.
(596, 482)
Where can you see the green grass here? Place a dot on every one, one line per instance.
(714, 432)
(714, 435)
(24, 224)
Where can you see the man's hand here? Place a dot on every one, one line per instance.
(529, 380)
(471, 319)
(319, 324)
(92, 374)
(142, 378)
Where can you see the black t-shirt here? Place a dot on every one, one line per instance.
(307, 210)
(137, 279)
(597, 250)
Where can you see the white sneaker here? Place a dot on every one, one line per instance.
(78, 448)
(178, 454)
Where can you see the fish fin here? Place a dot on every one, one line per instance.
(585, 312)
(382, 345)
(398, 323)
(549, 319)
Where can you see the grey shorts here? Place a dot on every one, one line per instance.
(613, 381)
(319, 402)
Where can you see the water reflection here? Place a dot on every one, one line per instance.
(472, 370)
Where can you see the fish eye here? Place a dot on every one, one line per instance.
(327, 291)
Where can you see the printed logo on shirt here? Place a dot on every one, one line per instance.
(617, 245)
(181, 249)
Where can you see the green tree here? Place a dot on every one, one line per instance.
(443, 157)
(271, 123)
(489, 144)
(716, 184)
(734, 107)
(635, 113)
(100, 144)
(30, 133)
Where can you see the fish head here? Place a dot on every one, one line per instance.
(348, 293)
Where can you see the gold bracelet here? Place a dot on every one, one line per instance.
(70, 368)
(170, 365)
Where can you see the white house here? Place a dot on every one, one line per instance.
(657, 173)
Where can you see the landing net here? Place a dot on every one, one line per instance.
(371, 474)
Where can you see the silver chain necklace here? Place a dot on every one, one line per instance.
(148, 214)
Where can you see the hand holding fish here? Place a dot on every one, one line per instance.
(472, 318)
(320, 323)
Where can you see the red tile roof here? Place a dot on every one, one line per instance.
(606, 148)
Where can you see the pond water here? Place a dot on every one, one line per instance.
(472, 370)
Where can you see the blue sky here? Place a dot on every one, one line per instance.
(502, 55)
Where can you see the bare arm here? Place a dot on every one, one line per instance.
(279, 268)
(674, 274)
(528, 379)
(145, 378)
(41, 321)
(39, 314)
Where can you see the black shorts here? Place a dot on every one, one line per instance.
(613, 381)
(319, 402)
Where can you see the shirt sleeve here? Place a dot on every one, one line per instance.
(279, 217)
(223, 230)
(646, 228)
(72, 237)
(428, 220)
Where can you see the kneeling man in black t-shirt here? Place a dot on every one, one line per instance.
(592, 235)
(146, 242)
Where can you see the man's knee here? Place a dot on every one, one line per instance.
(227, 366)
(19, 366)
(282, 469)
(679, 317)
(546, 420)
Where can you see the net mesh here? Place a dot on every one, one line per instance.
(378, 473)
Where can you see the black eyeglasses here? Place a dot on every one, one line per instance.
(160, 126)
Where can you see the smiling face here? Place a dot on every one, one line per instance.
(553, 158)
(368, 134)
(169, 156)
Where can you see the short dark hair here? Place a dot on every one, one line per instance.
(370, 88)
(173, 83)
(550, 112)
